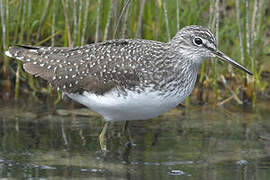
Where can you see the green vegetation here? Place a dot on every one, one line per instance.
(240, 27)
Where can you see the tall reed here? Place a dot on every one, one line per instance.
(4, 13)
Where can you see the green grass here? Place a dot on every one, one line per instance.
(43, 23)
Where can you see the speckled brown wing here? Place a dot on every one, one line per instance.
(95, 67)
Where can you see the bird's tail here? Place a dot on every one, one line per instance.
(33, 62)
(23, 53)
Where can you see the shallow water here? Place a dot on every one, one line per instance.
(41, 141)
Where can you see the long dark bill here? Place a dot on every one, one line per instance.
(227, 59)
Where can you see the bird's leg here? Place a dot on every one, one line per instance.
(102, 137)
(125, 126)
(126, 132)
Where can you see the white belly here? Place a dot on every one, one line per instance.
(133, 106)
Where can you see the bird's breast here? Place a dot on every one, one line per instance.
(131, 105)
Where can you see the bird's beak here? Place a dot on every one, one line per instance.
(227, 59)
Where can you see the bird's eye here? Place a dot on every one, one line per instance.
(197, 41)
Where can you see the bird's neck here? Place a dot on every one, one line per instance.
(178, 73)
(184, 53)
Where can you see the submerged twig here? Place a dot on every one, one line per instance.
(223, 80)
(225, 101)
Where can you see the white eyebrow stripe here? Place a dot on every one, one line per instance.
(211, 34)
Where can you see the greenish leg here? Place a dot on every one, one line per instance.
(102, 137)
(125, 126)
(126, 132)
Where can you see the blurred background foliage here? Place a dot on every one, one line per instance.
(242, 29)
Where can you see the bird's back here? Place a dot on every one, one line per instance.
(95, 67)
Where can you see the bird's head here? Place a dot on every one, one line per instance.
(198, 43)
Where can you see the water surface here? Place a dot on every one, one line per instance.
(39, 140)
